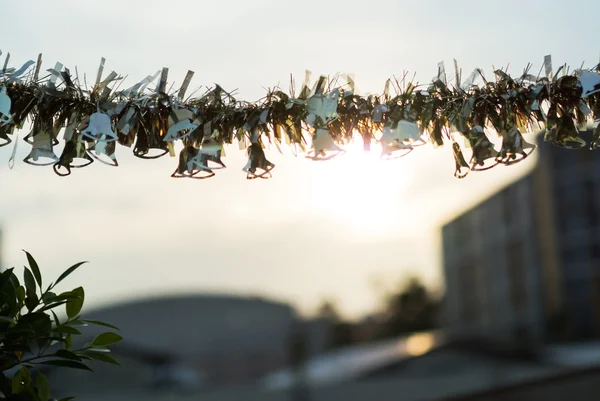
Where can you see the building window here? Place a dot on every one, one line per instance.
(516, 275)
(596, 297)
(572, 207)
(580, 307)
(461, 231)
(468, 293)
(585, 159)
(562, 159)
(577, 261)
(508, 207)
(595, 252)
(591, 205)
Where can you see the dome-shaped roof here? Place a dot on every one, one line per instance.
(193, 325)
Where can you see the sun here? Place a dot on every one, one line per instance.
(362, 191)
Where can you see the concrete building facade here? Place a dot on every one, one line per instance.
(525, 263)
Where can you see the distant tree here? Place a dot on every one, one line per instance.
(340, 332)
(411, 309)
(329, 311)
(32, 336)
(342, 335)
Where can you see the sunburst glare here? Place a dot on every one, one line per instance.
(361, 190)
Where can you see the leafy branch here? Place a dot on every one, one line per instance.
(32, 335)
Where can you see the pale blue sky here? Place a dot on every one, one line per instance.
(289, 238)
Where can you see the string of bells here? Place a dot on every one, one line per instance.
(327, 116)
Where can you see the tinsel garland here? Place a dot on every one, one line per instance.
(326, 116)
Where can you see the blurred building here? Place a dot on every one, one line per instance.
(185, 343)
(318, 334)
(525, 263)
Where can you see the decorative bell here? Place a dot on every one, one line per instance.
(514, 147)
(564, 133)
(5, 104)
(378, 112)
(436, 135)
(192, 164)
(461, 165)
(483, 150)
(322, 108)
(404, 133)
(323, 146)
(390, 147)
(74, 155)
(148, 140)
(257, 160)
(590, 82)
(104, 152)
(212, 151)
(5, 131)
(403, 136)
(100, 128)
(42, 145)
(180, 125)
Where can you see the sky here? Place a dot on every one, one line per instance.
(343, 230)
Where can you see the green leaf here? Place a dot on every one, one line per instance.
(34, 268)
(98, 349)
(17, 382)
(31, 302)
(9, 274)
(76, 323)
(55, 318)
(57, 300)
(102, 357)
(25, 375)
(67, 329)
(9, 303)
(43, 387)
(99, 323)
(52, 306)
(105, 339)
(63, 353)
(67, 399)
(20, 380)
(21, 293)
(68, 271)
(67, 364)
(74, 305)
(65, 296)
(29, 281)
(48, 297)
(68, 341)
